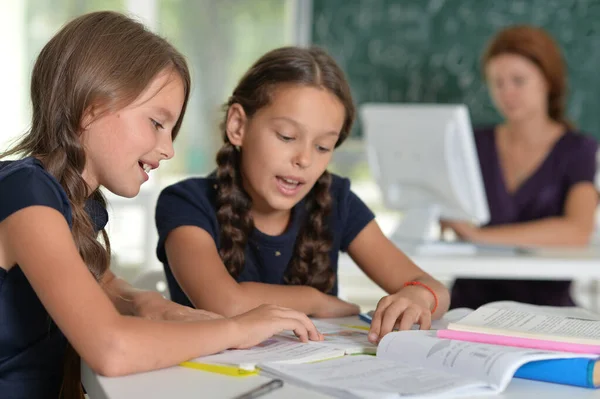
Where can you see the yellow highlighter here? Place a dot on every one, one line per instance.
(231, 371)
(365, 328)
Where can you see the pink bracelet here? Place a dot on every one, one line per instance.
(418, 283)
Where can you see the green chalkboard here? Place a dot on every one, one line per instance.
(429, 50)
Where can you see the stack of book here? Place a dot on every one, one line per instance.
(568, 330)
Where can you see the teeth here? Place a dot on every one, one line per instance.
(147, 168)
(289, 181)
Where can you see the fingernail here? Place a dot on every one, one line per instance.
(373, 337)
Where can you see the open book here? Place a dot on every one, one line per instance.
(416, 363)
(542, 327)
(339, 340)
(285, 348)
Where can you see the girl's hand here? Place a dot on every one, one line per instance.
(155, 306)
(265, 321)
(333, 306)
(410, 305)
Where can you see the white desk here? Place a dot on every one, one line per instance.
(582, 265)
(182, 383)
(543, 265)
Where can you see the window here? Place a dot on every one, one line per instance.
(220, 38)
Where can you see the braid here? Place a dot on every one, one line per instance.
(233, 210)
(66, 165)
(311, 264)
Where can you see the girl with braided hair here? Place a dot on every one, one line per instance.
(268, 225)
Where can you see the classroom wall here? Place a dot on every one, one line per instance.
(13, 100)
(429, 50)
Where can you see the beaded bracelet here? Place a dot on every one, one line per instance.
(418, 283)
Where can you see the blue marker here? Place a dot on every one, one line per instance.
(366, 317)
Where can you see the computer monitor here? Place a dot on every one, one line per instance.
(424, 159)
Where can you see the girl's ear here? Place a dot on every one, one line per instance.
(236, 124)
(88, 117)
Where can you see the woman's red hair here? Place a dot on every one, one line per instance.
(539, 47)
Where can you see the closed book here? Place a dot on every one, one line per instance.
(579, 372)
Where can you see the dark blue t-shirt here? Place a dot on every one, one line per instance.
(31, 345)
(192, 202)
(543, 194)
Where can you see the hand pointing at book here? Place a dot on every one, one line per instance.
(265, 321)
(411, 305)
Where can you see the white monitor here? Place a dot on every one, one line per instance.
(424, 159)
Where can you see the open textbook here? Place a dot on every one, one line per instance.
(285, 348)
(419, 364)
(339, 340)
(531, 326)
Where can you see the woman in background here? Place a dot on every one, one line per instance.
(537, 168)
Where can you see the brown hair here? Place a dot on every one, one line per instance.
(102, 59)
(537, 46)
(287, 65)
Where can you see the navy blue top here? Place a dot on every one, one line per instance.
(31, 345)
(192, 202)
(572, 160)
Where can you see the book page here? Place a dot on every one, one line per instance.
(451, 316)
(275, 349)
(352, 340)
(372, 377)
(493, 365)
(566, 311)
(528, 324)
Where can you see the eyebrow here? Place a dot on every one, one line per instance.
(165, 113)
(301, 127)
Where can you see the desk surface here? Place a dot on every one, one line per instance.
(543, 264)
(182, 383)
